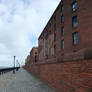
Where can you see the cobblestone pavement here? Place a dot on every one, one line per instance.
(22, 81)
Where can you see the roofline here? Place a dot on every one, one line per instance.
(50, 19)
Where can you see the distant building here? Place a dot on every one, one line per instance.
(27, 61)
(68, 30)
(34, 55)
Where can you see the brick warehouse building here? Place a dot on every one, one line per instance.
(32, 57)
(65, 48)
(68, 30)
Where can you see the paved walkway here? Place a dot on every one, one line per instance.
(22, 81)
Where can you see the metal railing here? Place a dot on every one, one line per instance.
(6, 70)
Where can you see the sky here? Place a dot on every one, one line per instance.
(21, 22)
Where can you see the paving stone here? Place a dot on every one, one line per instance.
(22, 81)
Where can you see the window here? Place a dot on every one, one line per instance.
(46, 48)
(46, 56)
(50, 25)
(54, 27)
(62, 7)
(62, 19)
(61, 1)
(54, 36)
(75, 38)
(54, 49)
(49, 31)
(55, 18)
(35, 53)
(62, 31)
(46, 34)
(75, 21)
(62, 44)
(74, 6)
(35, 58)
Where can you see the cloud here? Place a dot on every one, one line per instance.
(21, 22)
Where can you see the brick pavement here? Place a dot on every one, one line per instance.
(22, 81)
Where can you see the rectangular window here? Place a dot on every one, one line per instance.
(75, 21)
(62, 19)
(50, 25)
(49, 31)
(62, 2)
(75, 38)
(35, 59)
(74, 6)
(54, 49)
(46, 34)
(54, 36)
(62, 7)
(46, 48)
(62, 44)
(54, 18)
(54, 27)
(62, 31)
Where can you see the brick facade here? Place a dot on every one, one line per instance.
(71, 76)
(65, 55)
(32, 57)
(51, 37)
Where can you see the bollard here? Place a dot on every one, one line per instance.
(14, 71)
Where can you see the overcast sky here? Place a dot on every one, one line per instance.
(21, 22)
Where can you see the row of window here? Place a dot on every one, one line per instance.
(74, 6)
(74, 24)
(75, 35)
(74, 19)
(62, 29)
(75, 40)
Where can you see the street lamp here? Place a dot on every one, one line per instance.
(14, 65)
(18, 65)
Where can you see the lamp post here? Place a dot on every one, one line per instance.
(14, 65)
(18, 66)
(18, 63)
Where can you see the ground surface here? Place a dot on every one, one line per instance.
(22, 81)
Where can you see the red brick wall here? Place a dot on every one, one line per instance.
(35, 70)
(73, 76)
